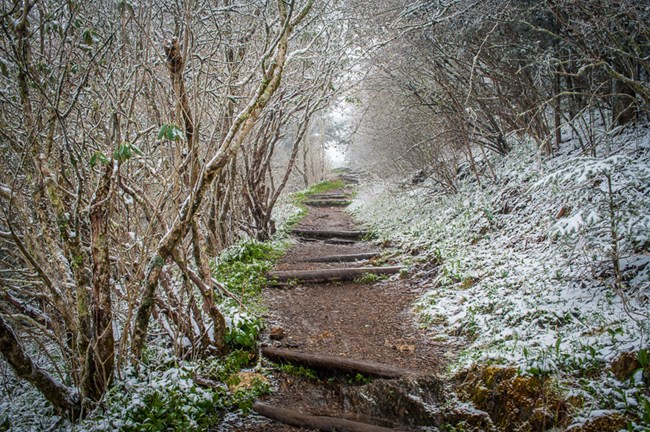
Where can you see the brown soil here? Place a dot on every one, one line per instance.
(370, 321)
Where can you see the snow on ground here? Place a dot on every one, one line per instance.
(527, 274)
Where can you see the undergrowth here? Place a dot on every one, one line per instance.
(300, 371)
(164, 393)
(370, 278)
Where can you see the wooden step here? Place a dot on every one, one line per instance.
(339, 241)
(335, 196)
(321, 423)
(338, 258)
(327, 234)
(329, 275)
(336, 363)
(328, 203)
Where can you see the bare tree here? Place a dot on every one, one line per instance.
(124, 132)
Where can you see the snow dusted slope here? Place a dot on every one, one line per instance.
(545, 269)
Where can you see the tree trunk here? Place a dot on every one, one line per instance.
(557, 108)
(623, 103)
(175, 65)
(101, 361)
(239, 130)
(62, 397)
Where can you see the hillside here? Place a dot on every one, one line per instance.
(544, 270)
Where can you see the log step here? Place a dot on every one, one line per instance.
(335, 196)
(328, 203)
(336, 364)
(330, 275)
(322, 234)
(339, 241)
(339, 258)
(350, 180)
(321, 423)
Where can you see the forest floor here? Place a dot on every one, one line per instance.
(367, 319)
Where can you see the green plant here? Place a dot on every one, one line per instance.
(369, 278)
(301, 371)
(370, 234)
(458, 427)
(244, 399)
(220, 368)
(242, 268)
(243, 330)
(171, 132)
(325, 186)
(358, 379)
(171, 410)
(296, 217)
(643, 358)
(471, 328)
(645, 411)
(243, 394)
(157, 400)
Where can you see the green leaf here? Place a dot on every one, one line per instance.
(163, 131)
(136, 149)
(122, 152)
(171, 132)
(125, 151)
(646, 410)
(89, 36)
(98, 157)
(643, 357)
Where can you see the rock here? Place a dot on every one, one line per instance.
(465, 417)
(513, 402)
(277, 333)
(403, 401)
(609, 422)
(624, 366)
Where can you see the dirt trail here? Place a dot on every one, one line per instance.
(365, 321)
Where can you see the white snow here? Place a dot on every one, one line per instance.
(517, 285)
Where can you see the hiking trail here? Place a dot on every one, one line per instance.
(332, 311)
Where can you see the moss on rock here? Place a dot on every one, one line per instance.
(610, 422)
(514, 402)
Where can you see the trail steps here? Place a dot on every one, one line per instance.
(369, 407)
